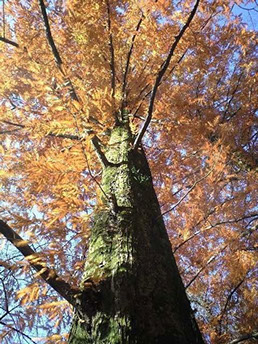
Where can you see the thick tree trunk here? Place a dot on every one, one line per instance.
(132, 290)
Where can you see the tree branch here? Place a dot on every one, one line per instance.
(253, 335)
(187, 193)
(8, 41)
(22, 126)
(48, 275)
(18, 331)
(215, 256)
(160, 75)
(3, 17)
(128, 62)
(96, 144)
(210, 260)
(112, 54)
(9, 131)
(212, 226)
(54, 49)
(227, 302)
(49, 34)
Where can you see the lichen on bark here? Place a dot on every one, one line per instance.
(131, 288)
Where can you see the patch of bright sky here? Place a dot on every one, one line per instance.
(249, 14)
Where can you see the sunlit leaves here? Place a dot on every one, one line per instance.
(203, 129)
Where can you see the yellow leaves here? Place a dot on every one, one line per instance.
(245, 260)
(58, 108)
(40, 272)
(185, 140)
(54, 219)
(54, 304)
(28, 294)
(3, 174)
(21, 243)
(55, 338)
(2, 151)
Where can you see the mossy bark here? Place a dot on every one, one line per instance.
(131, 288)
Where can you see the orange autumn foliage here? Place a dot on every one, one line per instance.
(200, 145)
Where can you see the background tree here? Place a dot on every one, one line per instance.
(184, 79)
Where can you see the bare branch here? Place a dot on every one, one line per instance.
(6, 299)
(246, 8)
(49, 34)
(227, 302)
(14, 124)
(3, 18)
(8, 41)
(22, 126)
(231, 99)
(8, 312)
(65, 136)
(128, 62)
(9, 131)
(91, 174)
(187, 193)
(210, 260)
(48, 275)
(160, 75)
(97, 145)
(18, 331)
(253, 335)
(212, 226)
(214, 257)
(54, 49)
(112, 53)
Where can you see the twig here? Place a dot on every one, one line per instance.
(9, 131)
(212, 226)
(22, 126)
(187, 193)
(86, 157)
(8, 312)
(15, 124)
(227, 302)
(160, 75)
(253, 335)
(18, 331)
(210, 260)
(5, 297)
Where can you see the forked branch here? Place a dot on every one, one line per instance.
(160, 75)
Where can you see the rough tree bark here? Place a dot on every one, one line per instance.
(131, 288)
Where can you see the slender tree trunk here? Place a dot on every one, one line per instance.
(131, 288)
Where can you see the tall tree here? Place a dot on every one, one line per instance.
(101, 103)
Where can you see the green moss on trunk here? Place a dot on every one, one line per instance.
(132, 290)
